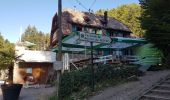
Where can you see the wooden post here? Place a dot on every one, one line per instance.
(92, 68)
(59, 38)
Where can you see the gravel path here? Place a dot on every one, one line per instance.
(129, 91)
(34, 93)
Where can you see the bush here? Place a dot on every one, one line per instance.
(74, 81)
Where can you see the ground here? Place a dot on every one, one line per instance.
(126, 91)
(129, 91)
(34, 93)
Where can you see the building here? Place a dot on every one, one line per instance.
(75, 22)
(37, 64)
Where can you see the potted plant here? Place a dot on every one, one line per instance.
(9, 89)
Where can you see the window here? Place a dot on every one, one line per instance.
(126, 34)
(79, 28)
(111, 33)
(76, 28)
(29, 70)
(128, 52)
(85, 29)
(89, 30)
(99, 32)
(73, 28)
(120, 35)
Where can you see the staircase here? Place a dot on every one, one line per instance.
(160, 91)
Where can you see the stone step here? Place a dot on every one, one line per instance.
(161, 91)
(163, 86)
(153, 97)
(168, 78)
(167, 81)
(158, 92)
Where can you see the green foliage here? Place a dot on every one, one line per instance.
(74, 81)
(7, 53)
(155, 20)
(129, 15)
(79, 81)
(39, 38)
(53, 98)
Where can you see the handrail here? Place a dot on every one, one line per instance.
(74, 65)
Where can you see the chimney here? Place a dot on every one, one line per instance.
(105, 18)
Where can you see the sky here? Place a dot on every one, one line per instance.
(16, 15)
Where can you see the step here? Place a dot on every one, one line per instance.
(163, 85)
(162, 88)
(161, 91)
(153, 97)
(168, 78)
(167, 81)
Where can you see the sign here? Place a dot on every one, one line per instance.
(65, 61)
(58, 65)
(91, 37)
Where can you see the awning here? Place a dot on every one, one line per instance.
(72, 43)
(129, 40)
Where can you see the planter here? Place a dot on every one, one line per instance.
(11, 91)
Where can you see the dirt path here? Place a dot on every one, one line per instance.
(129, 91)
(34, 93)
(0, 95)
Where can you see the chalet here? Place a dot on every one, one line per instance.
(75, 22)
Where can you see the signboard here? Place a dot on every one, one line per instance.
(91, 37)
(58, 65)
(65, 61)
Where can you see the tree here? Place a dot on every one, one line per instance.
(39, 38)
(155, 20)
(129, 15)
(7, 56)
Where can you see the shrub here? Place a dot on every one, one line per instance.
(75, 81)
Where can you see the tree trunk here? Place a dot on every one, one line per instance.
(10, 73)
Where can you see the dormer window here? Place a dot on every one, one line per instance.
(76, 28)
(86, 19)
